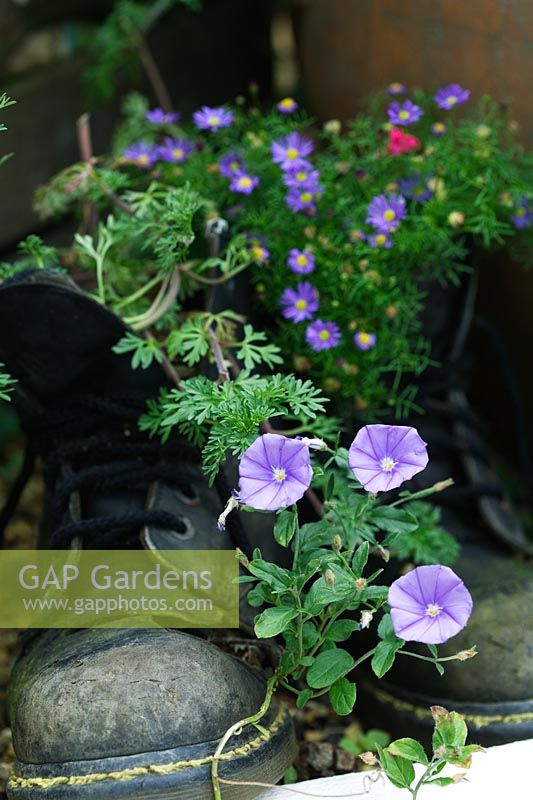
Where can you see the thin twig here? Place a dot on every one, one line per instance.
(154, 76)
(223, 371)
(170, 371)
(89, 219)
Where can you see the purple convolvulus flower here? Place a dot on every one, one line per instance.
(242, 183)
(385, 213)
(438, 129)
(429, 605)
(364, 340)
(260, 255)
(274, 472)
(287, 106)
(141, 154)
(322, 335)
(451, 96)
(304, 178)
(404, 113)
(159, 117)
(395, 89)
(523, 214)
(291, 151)
(230, 164)
(211, 119)
(416, 188)
(379, 240)
(382, 457)
(175, 150)
(301, 303)
(301, 261)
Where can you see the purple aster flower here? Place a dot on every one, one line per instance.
(364, 340)
(211, 119)
(395, 89)
(242, 183)
(523, 214)
(301, 261)
(404, 113)
(290, 152)
(385, 213)
(416, 188)
(301, 303)
(230, 164)
(382, 457)
(175, 150)
(451, 96)
(379, 240)
(141, 154)
(438, 129)
(322, 335)
(302, 198)
(159, 117)
(274, 472)
(260, 255)
(429, 605)
(287, 106)
(303, 178)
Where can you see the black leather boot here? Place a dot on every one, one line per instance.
(119, 713)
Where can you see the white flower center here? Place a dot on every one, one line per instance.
(387, 464)
(433, 610)
(279, 474)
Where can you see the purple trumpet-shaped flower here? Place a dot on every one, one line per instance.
(451, 96)
(274, 472)
(385, 213)
(211, 119)
(141, 154)
(301, 303)
(175, 150)
(242, 183)
(429, 605)
(404, 113)
(322, 335)
(382, 457)
(291, 151)
(159, 117)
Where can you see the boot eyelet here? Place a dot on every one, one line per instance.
(188, 533)
(191, 499)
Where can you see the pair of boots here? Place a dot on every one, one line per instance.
(138, 713)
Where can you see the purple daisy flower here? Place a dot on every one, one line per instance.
(322, 335)
(451, 96)
(301, 261)
(230, 164)
(377, 240)
(141, 154)
(382, 457)
(290, 152)
(274, 472)
(259, 254)
(364, 340)
(175, 150)
(304, 178)
(523, 215)
(287, 106)
(404, 113)
(429, 605)
(395, 89)
(385, 213)
(159, 117)
(416, 188)
(438, 129)
(242, 183)
(211, 119)
(302, 198)
(301, 303)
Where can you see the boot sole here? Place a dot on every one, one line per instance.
(183, 773)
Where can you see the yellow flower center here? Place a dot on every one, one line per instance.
(292, 153)
(451, 100)
(177, 153)
(234, 166)
(439, 127)
(380, 239)
(287, 102)
(324, 335)
(302, 260)
(387, 464)
(143, 159)
(245, 182)
(301, 304)
(301, 176)
(364, 338)
(279, 474)
(521, 212)
(306, 197)
(404, 115)
(213, 121)
(258, 253)
(433, 610)
(396, 87)
(389, 215)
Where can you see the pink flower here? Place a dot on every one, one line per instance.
(401, 142)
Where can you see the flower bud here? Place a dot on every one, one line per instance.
(456, 218)
(439, 713)
(483, 131)
(329, 577)
(440, 486)
(366, 619)
(464, 655)
(368, 758)
(336, 543)
(360, 584)
(333, 126)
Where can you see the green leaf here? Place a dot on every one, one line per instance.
(341, 629)
(342, 695)
(441, 781)
(278, 579)
(385, 628)
(399, 771)
(374, 738)
(433, 650)
(350, 746)
(303, 697)
(329, 666)
(383, 658)
(410, 749)
(273, 621)
(144, 351)
(450, 729)
(285, 526)
(360, 558)
(393, 520)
